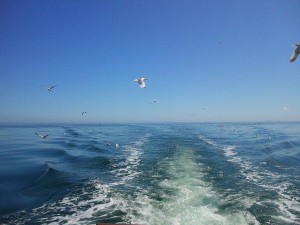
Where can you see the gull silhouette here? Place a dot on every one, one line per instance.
(42, 136)
(50, 88)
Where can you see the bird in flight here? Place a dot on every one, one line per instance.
(42, 136)
(153, 101)
(141, 81)
(51, 87)
(295, 53)
(83, 113)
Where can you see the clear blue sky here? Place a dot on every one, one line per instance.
(93, 50)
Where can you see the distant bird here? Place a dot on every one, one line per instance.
(220, 42)
(117, 145)
(295, 53)
(141, 81)
(153, 101)
(83, 113)
(50, 88)
(42, 136)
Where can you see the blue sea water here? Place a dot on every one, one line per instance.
(162, 174)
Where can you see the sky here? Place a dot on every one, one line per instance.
(206, 61)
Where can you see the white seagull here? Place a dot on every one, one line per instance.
(295, 53)
(50, 88)
(141, 81)
(42, 136)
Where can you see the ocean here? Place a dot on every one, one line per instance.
(158, 174)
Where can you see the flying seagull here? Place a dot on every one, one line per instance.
(295, 53)
(153, 101)
(42, 136)
(50, 88)
(141, 81)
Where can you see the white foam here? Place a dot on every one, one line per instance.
(286, 204)
(185, 198)
(126, 170)
(95, 197)
(229, 151)
(207, 140)
(188, 199)
(232, 155)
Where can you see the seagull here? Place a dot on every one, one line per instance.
(42, 136)
(153, 101)
(141, 81)
(117, 145)
(83, 113)
(295, 53)
(50, 88)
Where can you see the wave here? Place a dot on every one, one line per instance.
(126, 168)
(265, 177)
(287, 206)
(161, 175)
(207, 140)
(184, 196)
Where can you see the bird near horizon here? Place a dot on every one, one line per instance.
(295, 53)
(42, 136)
(141, 82)
(51, 87)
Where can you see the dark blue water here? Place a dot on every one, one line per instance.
(171, 174)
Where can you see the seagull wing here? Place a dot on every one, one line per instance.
(50, 88)
(295, 53)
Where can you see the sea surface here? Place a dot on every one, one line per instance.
(159, 174)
